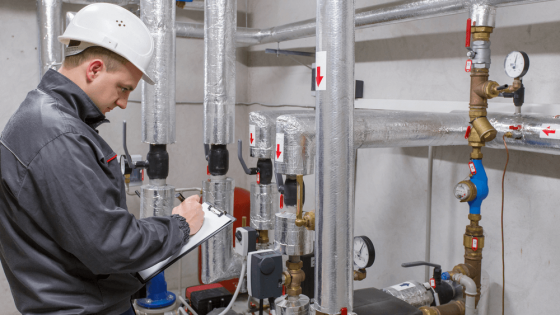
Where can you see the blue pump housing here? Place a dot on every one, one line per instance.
(480, 180)
(158, 296)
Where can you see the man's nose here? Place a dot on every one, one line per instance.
(121, 102)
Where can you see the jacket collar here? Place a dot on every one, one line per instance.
(72, 98)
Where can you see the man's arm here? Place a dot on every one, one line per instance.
(81, 199)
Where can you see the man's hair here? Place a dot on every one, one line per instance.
(110, 59)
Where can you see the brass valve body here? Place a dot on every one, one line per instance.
(296, 276)
(263, 236)
(451, 308)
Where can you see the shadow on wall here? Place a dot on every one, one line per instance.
(521, 162)
(541, 38)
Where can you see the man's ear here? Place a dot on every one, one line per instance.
(94, 69)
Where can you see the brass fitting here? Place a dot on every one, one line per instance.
(296, 276)
(309, 218)
(360, 274)
(481, 32)
(490, 89)
(263, 236)
(287, 278)
(484, 129)
(299, 209)
(451, 308)
(127, 178)
(473, 258)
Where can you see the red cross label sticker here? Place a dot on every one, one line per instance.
(472, 168)
(474, 245)
(252, 135)
(279, 153)
(468, 65)
(433, 283)
(321, 71)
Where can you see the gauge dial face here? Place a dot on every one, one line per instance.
(364, 252)
(462, 191)
(516, 64)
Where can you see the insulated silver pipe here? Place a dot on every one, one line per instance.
(386, 128)
(49, 21)
(393, 14)
(335, 158)
(158, 101)
(220, 23)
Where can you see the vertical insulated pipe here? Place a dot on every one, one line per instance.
(49, 21)
(158, 101)
(220, 24)
(335, 159)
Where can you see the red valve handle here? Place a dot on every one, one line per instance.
(468, 39)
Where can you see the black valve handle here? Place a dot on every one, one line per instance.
(248, 171)
(437, 268)
(502, 87)
(280, 183)
(128, 159)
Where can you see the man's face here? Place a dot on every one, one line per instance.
(111, 89)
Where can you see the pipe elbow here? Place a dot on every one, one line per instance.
(468, 283)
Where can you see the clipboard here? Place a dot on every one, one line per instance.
(215, 220)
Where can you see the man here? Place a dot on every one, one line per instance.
(68, 243)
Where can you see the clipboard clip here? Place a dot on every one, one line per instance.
(215, 210)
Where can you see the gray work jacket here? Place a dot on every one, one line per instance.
(68, 244)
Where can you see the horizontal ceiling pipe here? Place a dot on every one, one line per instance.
(392, 14)
(117, 2)
(384, 129)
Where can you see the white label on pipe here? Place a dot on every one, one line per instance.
(252, 135)
(321, 70)
(279, 154)
(403, 286)
(550, 131)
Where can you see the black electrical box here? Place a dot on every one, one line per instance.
(264, 275)
(204, 301)
(308, 285)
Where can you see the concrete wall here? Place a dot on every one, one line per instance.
(424, 60)
(20, 74)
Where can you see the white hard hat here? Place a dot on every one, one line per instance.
(112, 27)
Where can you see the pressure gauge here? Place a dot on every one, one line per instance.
(465, 191)
(516, 64)
(364, 252)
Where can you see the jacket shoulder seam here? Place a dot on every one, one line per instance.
(15, 155)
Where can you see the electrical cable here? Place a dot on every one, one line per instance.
(502, 224)
(239, 285)
(184, 302)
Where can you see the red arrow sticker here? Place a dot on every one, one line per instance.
(468, 65)
(281, 201)
(319, 78)
(474, 245)
(433, 283)
(472, 168)
(258, 178)
(279, 154)
(252, 135)
(548, 131)
(321, 68)
(518, 127)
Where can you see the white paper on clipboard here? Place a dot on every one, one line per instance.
(214, 221)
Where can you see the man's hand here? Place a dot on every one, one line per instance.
(191, 210)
